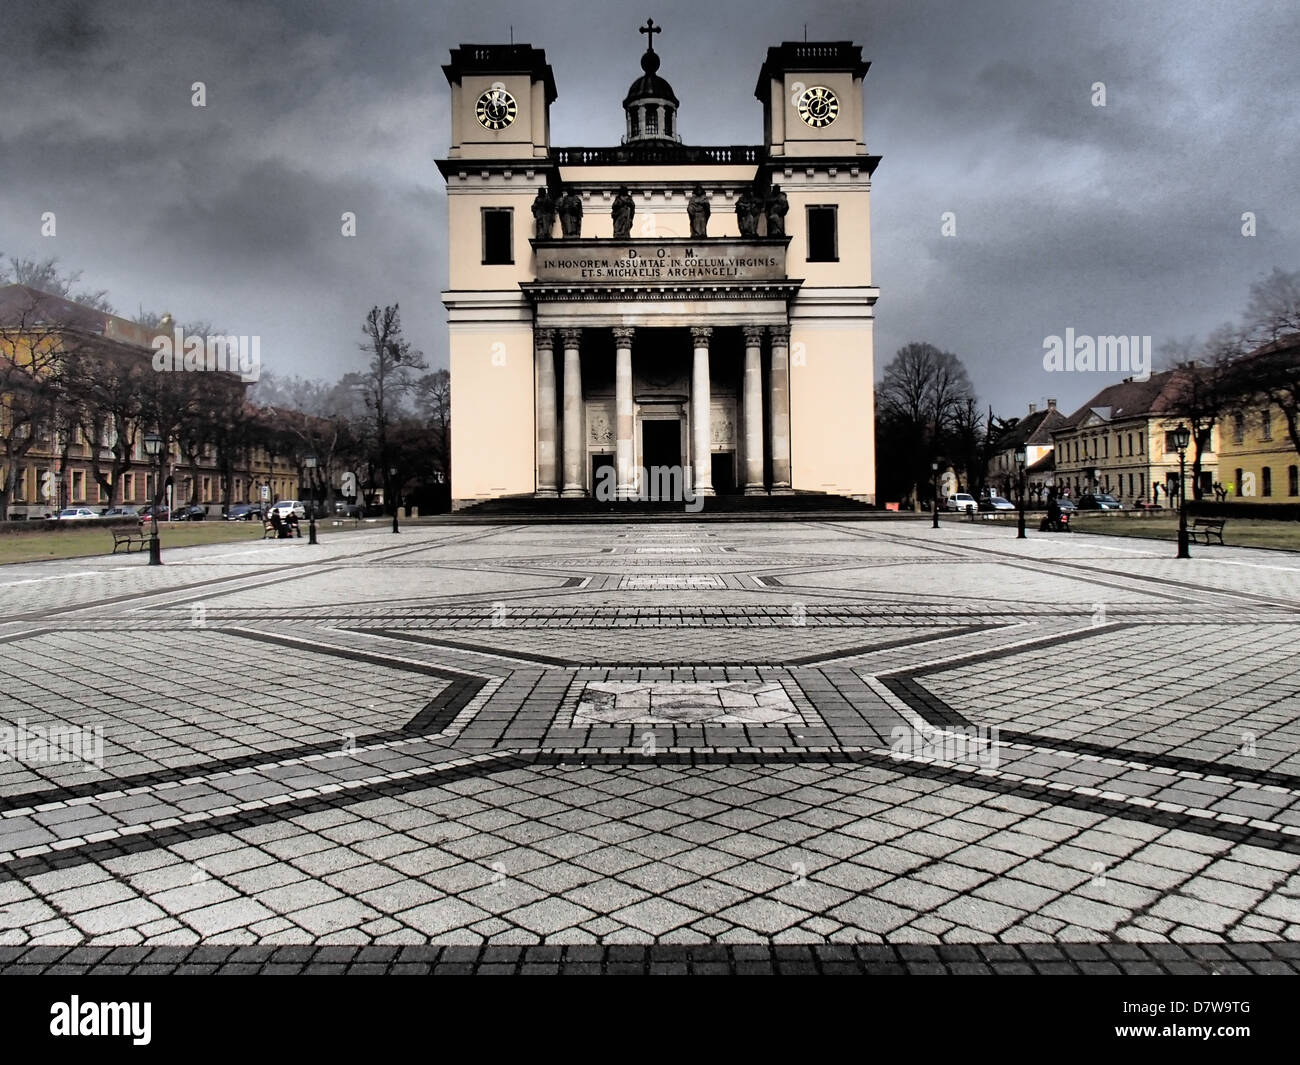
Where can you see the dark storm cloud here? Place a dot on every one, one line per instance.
(1121, 219)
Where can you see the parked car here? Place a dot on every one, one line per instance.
(245, 512)
(344, 509)
(285, 507)
(961, 501)
(191, 513)
(1142, 504)
(1099, 501)
(75, 514)
(996, 503)
(1066, 504)
(120, 512)
(146, 514)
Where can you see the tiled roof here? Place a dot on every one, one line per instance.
(1129, 398)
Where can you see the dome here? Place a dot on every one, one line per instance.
(650, 86)
(651, 105)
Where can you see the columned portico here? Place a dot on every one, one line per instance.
(624, 412)
(702, 450)
(752, 410)
(778, 398)
(574, 451)
(547, 468)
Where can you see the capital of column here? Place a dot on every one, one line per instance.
(544, 339)
(571, 337)
(753, 335)
(700, 334)
(781, 335)
(623, 335)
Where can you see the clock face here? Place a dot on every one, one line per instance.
(819, 106)
(496, 109)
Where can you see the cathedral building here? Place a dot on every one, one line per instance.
(617, 312)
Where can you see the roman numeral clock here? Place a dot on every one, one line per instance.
(818, 106)
(496, 108)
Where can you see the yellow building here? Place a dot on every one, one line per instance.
(619, 310)
(48, 462)
(1120, 443)
(1258, 459)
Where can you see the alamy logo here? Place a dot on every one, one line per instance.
(50, 744)
(670, 484)
(179, 353)
(79, 1018)
(1107, 354)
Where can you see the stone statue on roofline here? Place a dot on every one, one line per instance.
(698, 210)
(623, 211)
(570, 211)
(776, 207)
(748, 207)
(543, 214)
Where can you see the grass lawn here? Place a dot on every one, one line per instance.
(21, 546)
(1238, 532)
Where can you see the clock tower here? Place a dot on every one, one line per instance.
(501, 96)
(811, 93)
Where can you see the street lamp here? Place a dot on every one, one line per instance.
(310, 463)
(1020, 466)
(1182, 437)
(934, 492)
(153, 448)
(392, 476)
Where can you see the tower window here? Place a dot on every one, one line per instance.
(823, 239)
(634, 118)
(498, 238)
(668, 121)
(652, 120)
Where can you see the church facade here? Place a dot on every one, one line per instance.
(619, 312)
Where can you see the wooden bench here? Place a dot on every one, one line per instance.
(129, 538)
(1207, 527)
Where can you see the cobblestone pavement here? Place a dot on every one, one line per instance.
(786, 746)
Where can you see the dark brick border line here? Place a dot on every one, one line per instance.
(95, 852)
(936, 711)
(433, 718)
(825, 959)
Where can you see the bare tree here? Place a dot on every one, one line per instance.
(386, 383)
(1205, 387)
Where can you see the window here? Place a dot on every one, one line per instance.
(207, 490)
(634, 117)
(1130, 443)
(20, 485)
(823, 243)
(1169, 441)
(79, 485)
(1293, 480)
(668, 122)
(128, 487)
(1266, 425)
(1140, 443)
(1266, 476)
(652, 121)
(1236, 484)
(1238, 428)
(498, 239)
(1105, 447)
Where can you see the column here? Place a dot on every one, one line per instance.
(752, 412)
(778, 398)
(625, 427)
(573, 449)
(544, 360)
(702, 452)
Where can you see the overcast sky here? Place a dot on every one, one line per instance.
(1123, 219)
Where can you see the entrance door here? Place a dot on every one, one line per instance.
(604, 479)
(723, 466)
(661, 442)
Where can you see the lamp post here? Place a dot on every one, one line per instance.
(310, 464)
(934, 492)
(153, 448)
(1182, 437)
(392, 479)
(1020, 467)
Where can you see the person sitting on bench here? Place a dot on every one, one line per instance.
(277, 523)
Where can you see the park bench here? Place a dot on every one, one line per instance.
(129, 538)
(1207, 527)
(268, 531)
